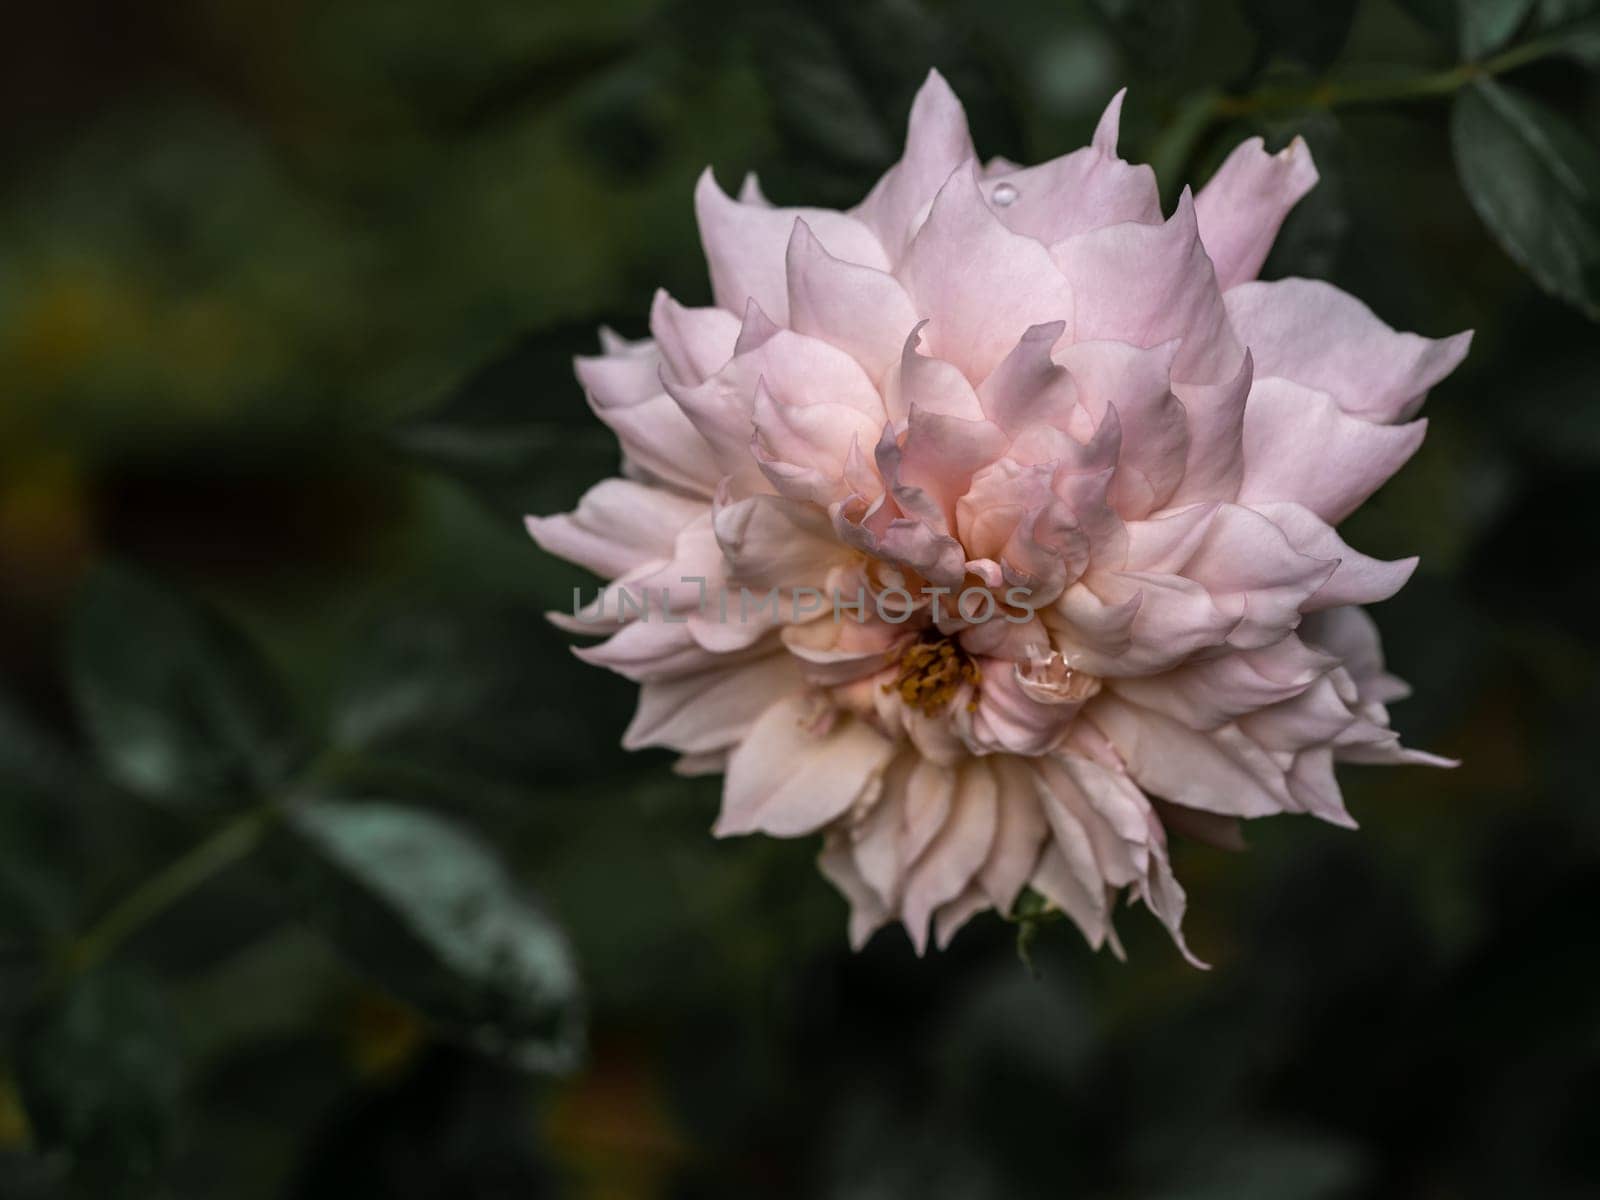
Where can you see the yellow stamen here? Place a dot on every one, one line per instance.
(931, 672)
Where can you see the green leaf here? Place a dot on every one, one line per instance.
(467, 691)
(1553, 14)
(822, 102)
(1486, 25)
(1534, 179)
(100, 1076)
(840, 75)
(1579, 41)
(1309, 31)
(1439, 17)
(1155, 33)
(178, 704)
(1471, 28)
(517, 429)
(430, 913)
(41, 788)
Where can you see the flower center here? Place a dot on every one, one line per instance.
(930, 673)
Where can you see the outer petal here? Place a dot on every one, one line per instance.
(1020, 830)
(618, 526)
(656, 437)
(711, 710)
(868, 913)
(1087, 189)
(937, 142)
(1314, 334)
(746, 246)
(947, 866)
(1243, 206)
(796, 370)
(1221, 771)
(1253, 572)
(1357, 580)
(1351, 634)
(1208, 695)
(695, 343)
(790, 776)
(1299, 445)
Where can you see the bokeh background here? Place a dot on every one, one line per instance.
(288, 294)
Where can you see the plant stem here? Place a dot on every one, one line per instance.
(1337, 94)
(230, 843)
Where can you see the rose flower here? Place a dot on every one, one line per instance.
(987, 530)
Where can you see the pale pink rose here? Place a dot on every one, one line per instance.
(1014, 382)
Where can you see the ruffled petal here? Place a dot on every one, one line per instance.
(1243, 206)
(1315, 335)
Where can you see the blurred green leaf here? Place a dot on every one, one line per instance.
(1152, 32)
(467, 691)
(1486, 25)
(1579, 40)
(1471, 28)
(1552, 14)
(517, 429)
(1439, 17)
(30, 757)
(1263, 1164)
(178, 704)
(1534, 179)
(840, 76)
(39, 885)
(101, 1080)
(824, 97)
(430, 913)
(30, 1177)
(1309, 31)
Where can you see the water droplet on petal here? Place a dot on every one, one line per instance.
(1004, 195)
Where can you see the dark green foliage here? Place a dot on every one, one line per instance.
(1534, 178)
(429, 913)
(1312, 32)
(179, 706)
(290, 300)
(99, 1071)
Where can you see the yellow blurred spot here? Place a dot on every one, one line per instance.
(611, 1129)
(45, 527)
(71, 315)
(14, 1131)
(381, 1035)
